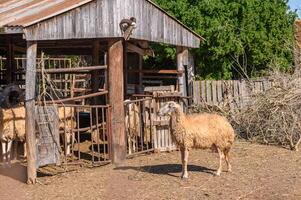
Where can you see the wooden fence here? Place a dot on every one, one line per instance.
(239, 92)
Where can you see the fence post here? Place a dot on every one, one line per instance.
(30, 112)
(116, 100)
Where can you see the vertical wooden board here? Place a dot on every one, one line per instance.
(219, 91)
(203, 91)
(197, 92)
(214, 93)
(159, 131)
(209, 92)
(240, 91)
(235, 92)
(48, 138)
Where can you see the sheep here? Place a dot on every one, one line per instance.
(12, 127)
(66, 123)
(199, 131)
(132, 125)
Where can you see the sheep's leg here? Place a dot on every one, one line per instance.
(3, 144)
(8, 153)
(68, 150)
(226, 152)
(184, 156)
(25, 150)
(130, 145)
(221, 157)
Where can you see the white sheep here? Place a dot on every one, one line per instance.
(67, 122)
(12, 127)
(199, 131)
(132, 125)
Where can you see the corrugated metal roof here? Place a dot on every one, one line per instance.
(24, 13)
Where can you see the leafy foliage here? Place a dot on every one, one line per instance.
(244, 38)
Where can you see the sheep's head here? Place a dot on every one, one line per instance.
(169, 108)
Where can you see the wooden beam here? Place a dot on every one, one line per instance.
(182, 59)
(116, 100)
(30, 112)
(75, 70)
(163, 71)
(140, 51)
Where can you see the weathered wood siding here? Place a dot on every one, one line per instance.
(238, 92)
(101, 18)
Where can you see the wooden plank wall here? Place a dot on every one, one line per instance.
(101, 18)
(238, 91)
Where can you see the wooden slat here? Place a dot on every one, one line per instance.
(214, 93)
(203, 90)
(208, 92)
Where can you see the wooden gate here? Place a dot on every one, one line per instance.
(48, 144)
(145, 130)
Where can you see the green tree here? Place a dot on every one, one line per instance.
(244, 38)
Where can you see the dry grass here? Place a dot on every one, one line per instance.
(273, 117)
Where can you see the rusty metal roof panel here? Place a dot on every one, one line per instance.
(24, 13)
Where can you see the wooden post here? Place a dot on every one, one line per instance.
(95, 76)
(182, 59)
(190, 74)
(125, 68)
(116, 100)
(30, 112)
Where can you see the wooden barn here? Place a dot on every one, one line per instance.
(298, 43)
(116, 35)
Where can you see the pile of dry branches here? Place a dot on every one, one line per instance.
(273, 117)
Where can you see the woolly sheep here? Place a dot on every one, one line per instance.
(132, 125)
(66, 124)
(199, 131)
(12, 127)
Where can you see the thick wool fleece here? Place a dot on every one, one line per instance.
(201, 131)
(12, 124)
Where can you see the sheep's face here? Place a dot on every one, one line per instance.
(168, 109)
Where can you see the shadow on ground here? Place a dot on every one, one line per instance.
(167, 169)
(17, 171)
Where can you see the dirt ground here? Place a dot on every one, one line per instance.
(259, 172)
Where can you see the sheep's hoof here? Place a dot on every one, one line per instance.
(217, 174)
(184, 177)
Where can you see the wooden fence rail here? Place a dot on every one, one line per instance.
(239, 92)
